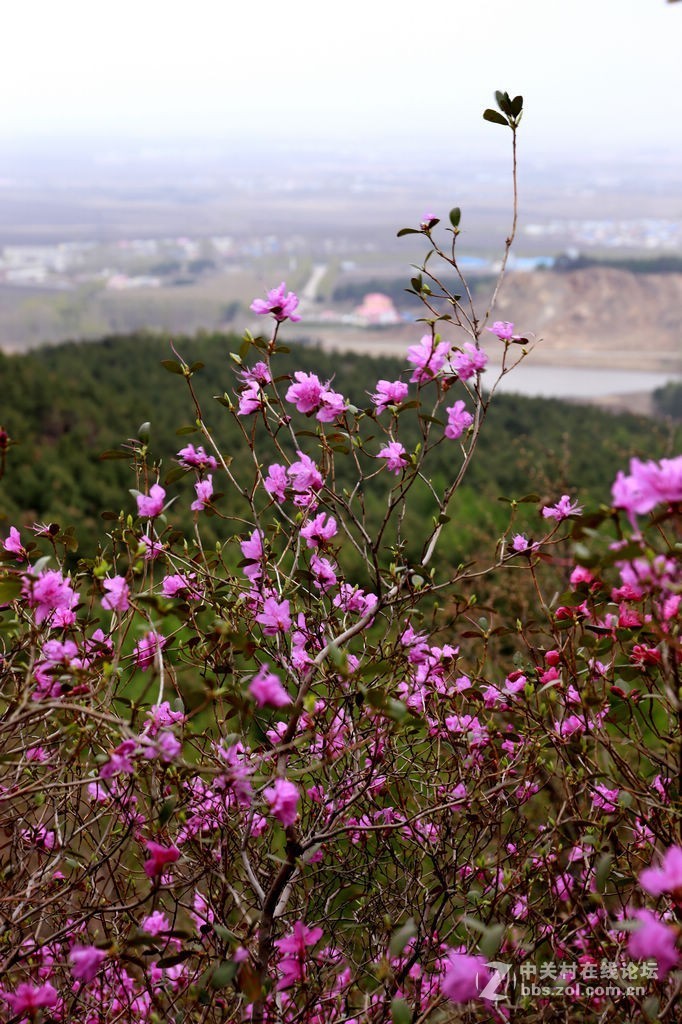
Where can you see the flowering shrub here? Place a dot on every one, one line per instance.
(242, 782)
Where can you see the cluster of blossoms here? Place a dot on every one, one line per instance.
(328, 760)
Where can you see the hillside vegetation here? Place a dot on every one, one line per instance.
(65, 406)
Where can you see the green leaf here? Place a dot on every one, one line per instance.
(491, 941)
(113, 453)
(494, 117)
(191, 428)
(175, 958)
(167, 808)
(516, 106)
(408, 231)
(400, 1012)
(224, 974)
(10, 588)
(173, 366)
(195, 367)
(402, 936)
(455, 216)
(603, 871)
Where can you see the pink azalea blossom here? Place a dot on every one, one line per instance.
(648, 484)
(283, 799)
(151, 505)
(266, 689)
(605, 799)
(13, 544)
(181, 584)
(304, 474)
(258, 374)
(319, 531)
(324, 576)
(204, 489)
(52, 597)
(464, 978)
(161, 716)
(459, 420)
(159, 857)
(504, 331)
(275, 617)
(276, 482)
(389, 392)
(86, 962)
(116, 598)
(155, 923)
(395, 455)
(665, 878)
(251, 399)
(145, 650)
(280, 303)
(306, 393)
(656, 940)
(520, 543)
(562, 510)
(29, 999)
(294, 953)
(470, 361)
(196, 458)
(428, 358)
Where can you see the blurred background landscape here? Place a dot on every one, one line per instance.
(161, 167)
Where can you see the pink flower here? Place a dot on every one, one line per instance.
(275, 617)
(389, 393)
(259, 374)
(428, 358)
(562, 510)
(311, 396)
(180, 583)
(648, 484)
(459, 420)
(52, 597)
(306, 394)
(116, 598)
(304, 474)
(160, 856)
(155, 923)
(667, 877)
(204, 489)
(605, 799)
(283, 799)
(196, 458)
(266, 688)
(469, 361)
(504, 331)
(294, 947)
(13, 544)
(151, 505)
(323, 573)
(317, 532)
(251, 400)
(521, 543)
(146, 649)
(281, 304)
(28, 999)
(276, 482)
(465, 976)
(653, 939)
(86, 961)
(395, 455)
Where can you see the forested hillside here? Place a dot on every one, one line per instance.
(65, 406)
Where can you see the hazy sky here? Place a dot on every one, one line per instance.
(595, 73)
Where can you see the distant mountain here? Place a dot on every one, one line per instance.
(599, 315)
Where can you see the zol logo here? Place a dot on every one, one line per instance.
(500, 972)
